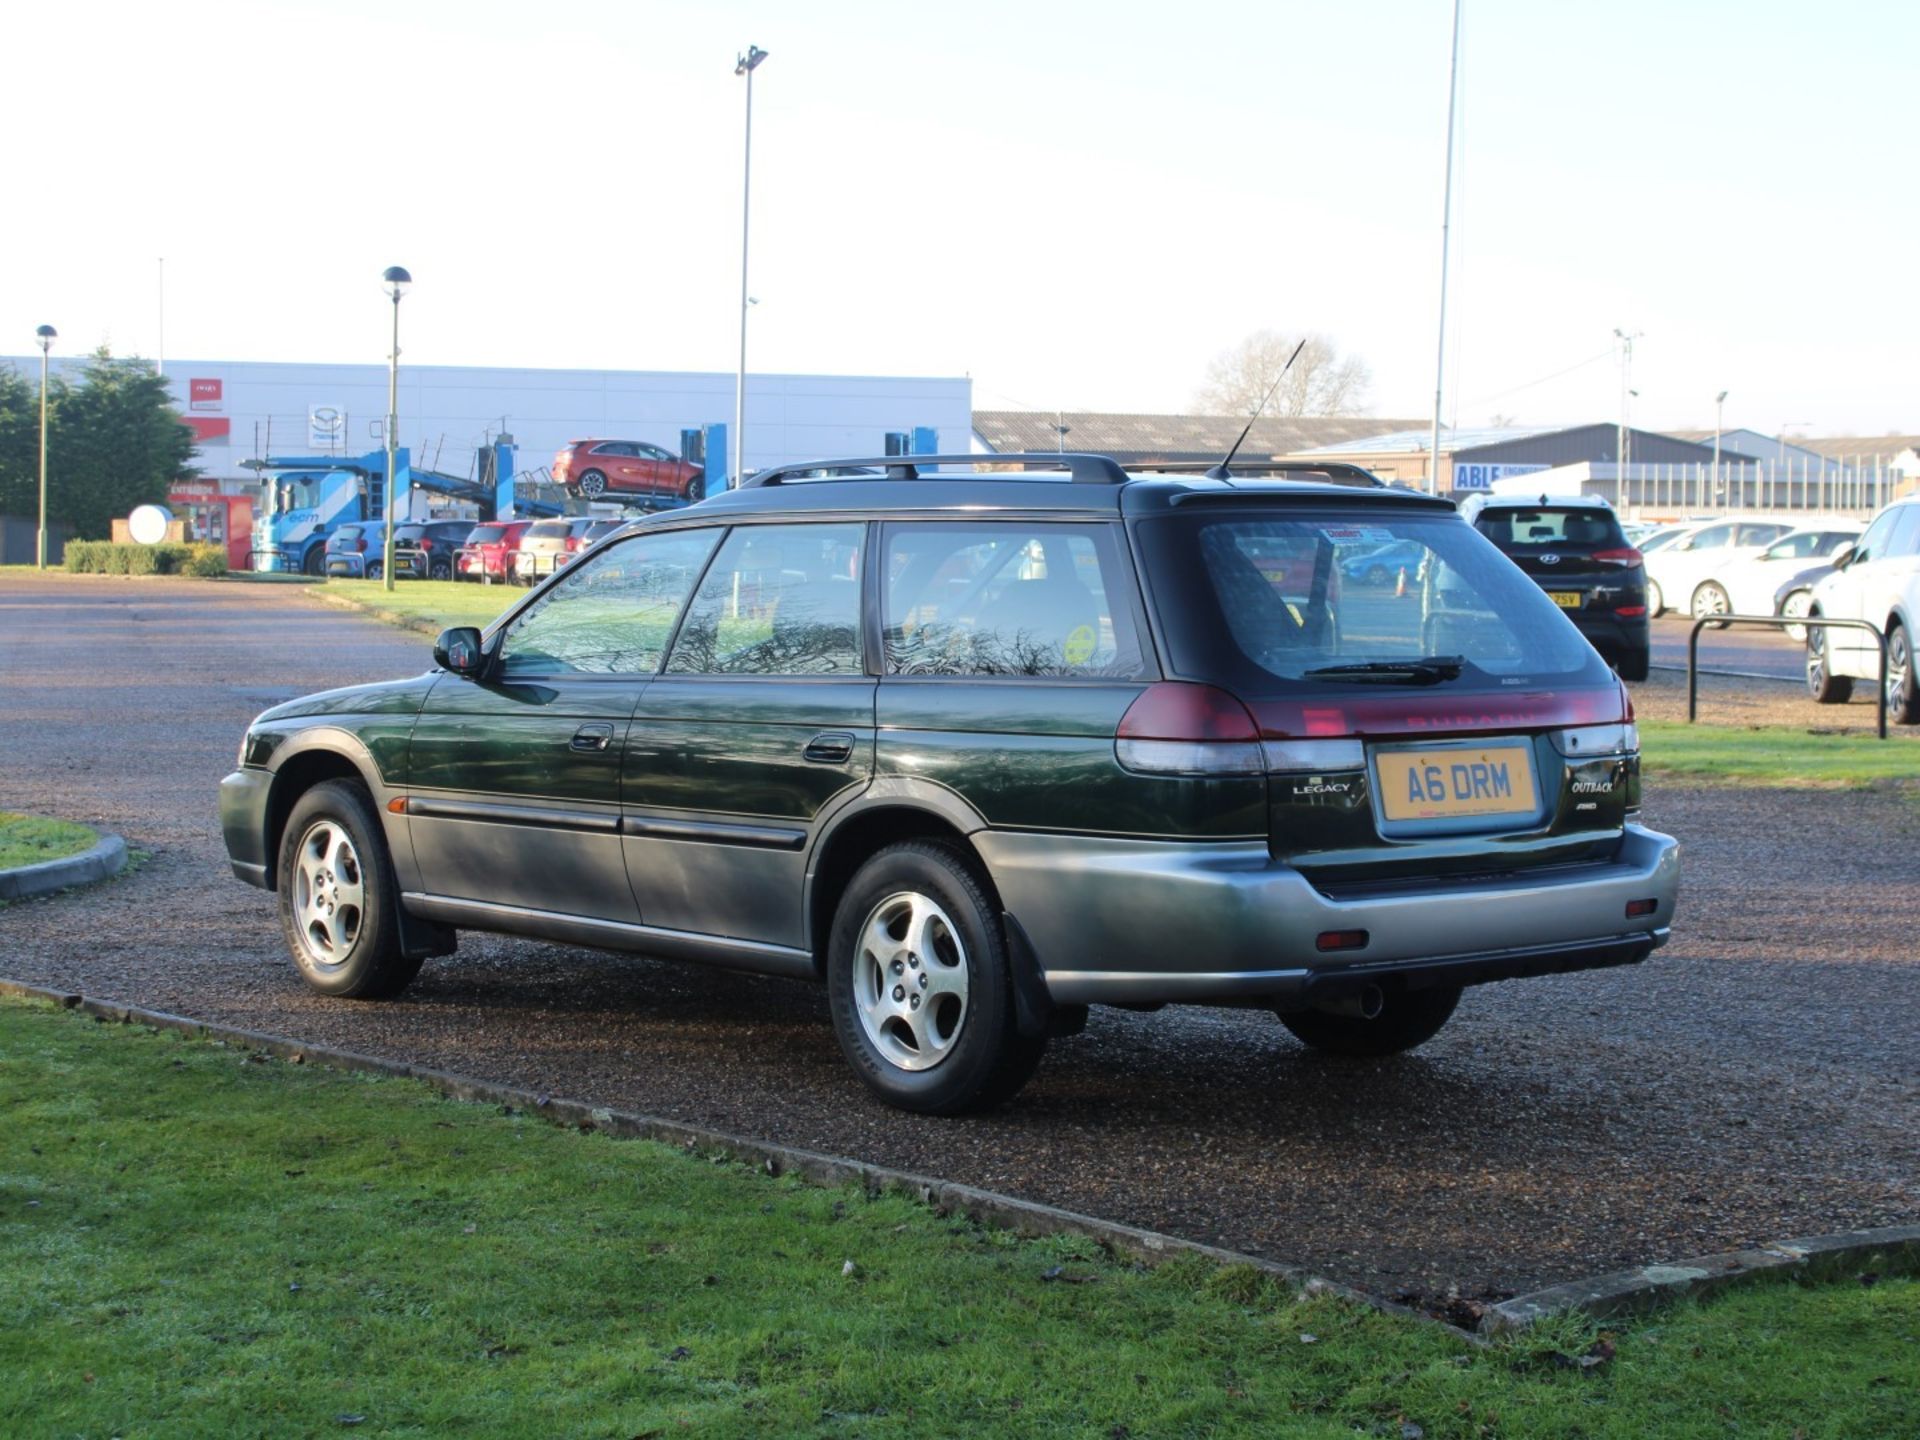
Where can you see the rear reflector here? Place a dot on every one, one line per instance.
(1341, 940)
(1641, 907)
(1630, 612)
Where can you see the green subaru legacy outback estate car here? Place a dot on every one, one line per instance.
(982, 748)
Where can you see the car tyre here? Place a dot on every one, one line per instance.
(315, 562)
(1825, 687)
(440, 570)
(917, 922)
(1634, 664)
(1795, 607)
(375, 570)
(1407, 1019)
(1656, 600)
(1710, 599)
(593, 484)
(339, 903)
(696, 489)
(1903, 695)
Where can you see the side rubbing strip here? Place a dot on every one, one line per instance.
(759, 837)
(598, 821)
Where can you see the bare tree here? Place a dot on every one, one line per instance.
(1322, 381)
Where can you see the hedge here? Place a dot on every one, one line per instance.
(103, 557)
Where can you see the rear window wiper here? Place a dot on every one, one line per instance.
(1424, 670)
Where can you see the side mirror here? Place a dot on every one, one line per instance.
(461, 651)
(1843, 557)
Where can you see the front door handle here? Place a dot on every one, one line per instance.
(833, 748)
(593, 737)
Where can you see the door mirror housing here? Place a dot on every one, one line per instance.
(1843, 557)
(461, 651)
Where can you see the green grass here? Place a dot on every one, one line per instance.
(197, 1242)
(29, 839)
(1776, 756)
(426, 604)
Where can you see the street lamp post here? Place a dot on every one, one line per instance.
(744, 65)
(397, 279)
(1622, 443)
(1719, 404)
(47, 335)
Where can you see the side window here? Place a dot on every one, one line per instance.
(1873, 544)
(1713, 537)
(1905, 539)
(653, 452)
(1009, 598)
(778, 600)
(612, 613)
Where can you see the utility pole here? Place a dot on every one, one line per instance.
(744, 65)
(1622, 444)
(1446, 215)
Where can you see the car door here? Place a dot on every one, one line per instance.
(760, 724)
(514, 783)
(656, 471)
(1853, 593)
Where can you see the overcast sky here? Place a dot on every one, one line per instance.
(1076, 205)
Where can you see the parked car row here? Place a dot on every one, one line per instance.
(509, 551)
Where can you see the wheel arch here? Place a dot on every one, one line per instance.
(314, 758)
(870, 825)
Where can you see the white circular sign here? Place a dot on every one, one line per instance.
(148, 523)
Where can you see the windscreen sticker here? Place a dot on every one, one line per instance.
(1358, 534)
(1079, 645)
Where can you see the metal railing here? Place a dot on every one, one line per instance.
(1781, 622)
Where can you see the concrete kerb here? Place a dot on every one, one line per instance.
(414, 623)
(107, 857)
(1888, 1250)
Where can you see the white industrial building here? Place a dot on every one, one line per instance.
(250, 409)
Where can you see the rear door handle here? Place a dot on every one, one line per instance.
(833, 748)
(593, 737)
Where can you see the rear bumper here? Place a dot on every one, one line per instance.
(1145, 922)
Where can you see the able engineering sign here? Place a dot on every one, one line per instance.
(1481, 477)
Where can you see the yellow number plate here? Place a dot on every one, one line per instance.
(1447, 784)
(1567, 599)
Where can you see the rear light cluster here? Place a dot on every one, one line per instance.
(1593, 742)
(1175, 728)
(1628, 556)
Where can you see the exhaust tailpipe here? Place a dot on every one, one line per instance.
(1366, 1003)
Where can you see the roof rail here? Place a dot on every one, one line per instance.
(1085, 469)
(1337, 471)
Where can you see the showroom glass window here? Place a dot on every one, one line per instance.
(778, 600)
(613, 611)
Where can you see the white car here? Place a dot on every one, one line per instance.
(1879, 582)
(1748, 587)
(1676, 571)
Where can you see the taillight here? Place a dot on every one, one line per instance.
(1630, 612)
(425, 543)
(361, 545)
(1176, 728)
(1628, 556)
(1587, 742)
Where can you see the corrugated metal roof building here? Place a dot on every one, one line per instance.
(1470, 460)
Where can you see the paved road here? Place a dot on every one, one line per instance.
(1738, 649)
(1759, 1078)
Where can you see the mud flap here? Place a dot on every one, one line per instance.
(1034, 1012)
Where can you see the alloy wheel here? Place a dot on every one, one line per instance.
(1899, 675)
(910, 981)
(1796, 607)
(330, 893)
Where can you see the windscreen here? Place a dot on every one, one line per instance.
(1284, 604)
(1551, 527)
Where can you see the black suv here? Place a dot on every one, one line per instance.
(1577, 552)
(979, 749)
(423, 551)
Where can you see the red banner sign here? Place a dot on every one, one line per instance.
(204, 394)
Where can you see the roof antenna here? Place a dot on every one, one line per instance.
(1220, 471)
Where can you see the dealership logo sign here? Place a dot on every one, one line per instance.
(326, 427)
(204, 394)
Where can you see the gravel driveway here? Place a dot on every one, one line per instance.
(1758, 1078)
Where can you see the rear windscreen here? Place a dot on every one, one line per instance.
(1566, 527)
(485, 535)
(347, 532)
(547, 530)
(1269, 604)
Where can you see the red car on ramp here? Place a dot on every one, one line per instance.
(594, 468)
